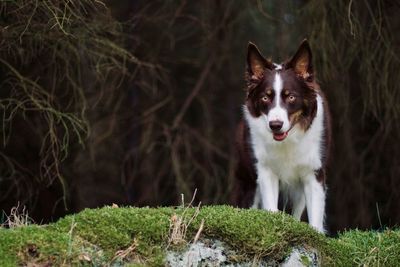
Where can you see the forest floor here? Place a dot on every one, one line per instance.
(120, 236)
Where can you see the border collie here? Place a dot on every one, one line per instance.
(284, 139)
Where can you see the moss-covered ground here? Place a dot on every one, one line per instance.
(140, 236)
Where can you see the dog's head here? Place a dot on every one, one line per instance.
(285, 94)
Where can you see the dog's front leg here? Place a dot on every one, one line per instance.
(268, 186)
(257, 199)
(315, 202)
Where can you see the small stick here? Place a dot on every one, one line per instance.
(199, 231)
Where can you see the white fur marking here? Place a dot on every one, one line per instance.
(278, 113)
(277, 66)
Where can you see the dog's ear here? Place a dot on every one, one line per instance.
(256, 63)
(302, 61)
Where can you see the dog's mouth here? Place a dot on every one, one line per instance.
(280, 136)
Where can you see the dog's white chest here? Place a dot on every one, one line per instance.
(293, 158)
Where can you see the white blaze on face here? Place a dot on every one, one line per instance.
(277, 66)
(277, 113)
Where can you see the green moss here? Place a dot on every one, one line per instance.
(305, 260)
(96, 236)
(35, 244)
(257, 232)
(114, 229)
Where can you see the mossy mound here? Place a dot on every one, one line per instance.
(119, 236)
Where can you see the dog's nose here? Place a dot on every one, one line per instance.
(275, 125)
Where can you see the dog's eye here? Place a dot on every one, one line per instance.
(265, 98)
(291, 98)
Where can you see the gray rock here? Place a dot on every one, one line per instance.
(198, 254)
(300, 257)
(216, 253)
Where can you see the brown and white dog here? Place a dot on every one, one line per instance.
(283, 141)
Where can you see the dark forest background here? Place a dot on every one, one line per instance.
(136, 102)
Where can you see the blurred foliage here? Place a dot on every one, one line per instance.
(53, 56)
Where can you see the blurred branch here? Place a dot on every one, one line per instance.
(264, 13)
(196, 89)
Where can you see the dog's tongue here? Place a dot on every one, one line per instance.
(280, 136)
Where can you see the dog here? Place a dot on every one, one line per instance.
(283, 140)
